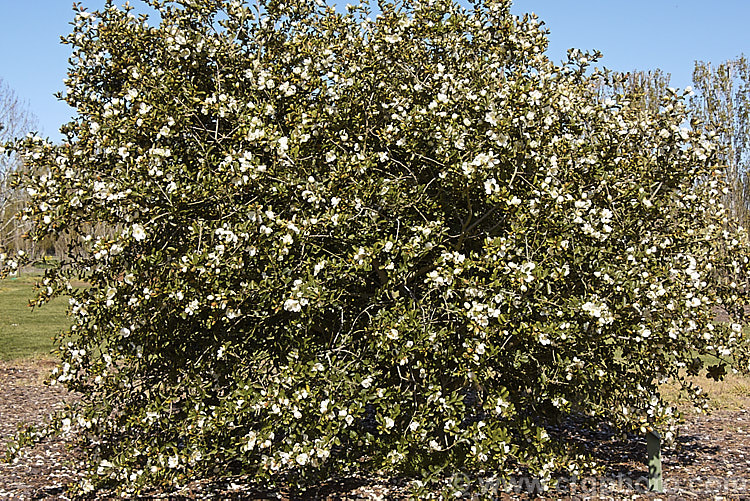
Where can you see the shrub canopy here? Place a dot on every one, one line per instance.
(401, 240)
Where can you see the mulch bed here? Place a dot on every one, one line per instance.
(712, 460)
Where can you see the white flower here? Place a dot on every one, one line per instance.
(138, 232)
(359, 257)
(600, 311)
(173, 462)
(491, 186)
(251, 439)
(283, 144)
(292, 305)
(192, 307)
(389, 423)
(319, 266)
(330, 156)
(367, 382)
(87, 486)
(302, 459)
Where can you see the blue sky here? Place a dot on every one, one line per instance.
(646, 34)
(633, 34)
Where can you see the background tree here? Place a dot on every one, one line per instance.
(403, 242)
(722, 104)
(643, 90)
(16, 120)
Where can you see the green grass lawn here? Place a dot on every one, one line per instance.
(25, 332)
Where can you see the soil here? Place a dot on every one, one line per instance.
(711, 460)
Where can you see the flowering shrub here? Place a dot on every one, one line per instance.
(404, 241)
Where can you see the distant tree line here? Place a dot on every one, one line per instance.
(17, 120)
(722, 103)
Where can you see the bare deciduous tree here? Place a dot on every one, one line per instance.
(16, 119)
(645, 90)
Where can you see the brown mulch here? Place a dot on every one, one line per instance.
(712, 460)
(44, 471)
